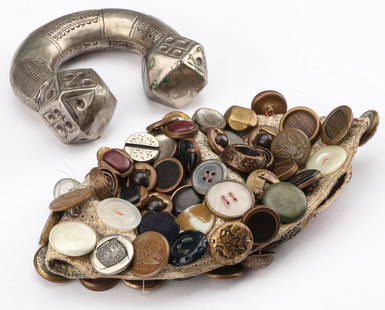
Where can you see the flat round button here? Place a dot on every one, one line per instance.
(151, 254)
(197, 217)
(207, 173)
(170, 174)
(161, 222)
(187, 247)
(64, 186)
(208, 118)
(337, 125)
(100, 284)
(328, 159)
(72, 238)
(167, 146)
(118, 214)
(287, 200)
(373, 117)
(112, 255)
(142, 147)
(185, 197)
(269, 102)
(229, 199)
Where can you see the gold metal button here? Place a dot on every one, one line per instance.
(372, 127)
(259, 180)
(336, 125)
(269, 102)
(240, 118)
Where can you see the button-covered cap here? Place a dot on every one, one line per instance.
(185, 197)
(118, 214)
(207, 173)
(197, 217)
(208, 118)
(161, 222)
(187, 247)
(64, 186)
(72, 238)
(112, 255)
(328, 159)
(229, 199)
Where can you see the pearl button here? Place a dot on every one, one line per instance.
(72, 238)
(328, 159)
(118, 214)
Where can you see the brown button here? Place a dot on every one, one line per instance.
(285, 169)
(41, 268)
(181, 129)
(179, 114)
(304, 119)
(170, 174)
(159, 202)
(98, 285)
(231, 243)
(260, 130)
(104, 182)
(143, 285)
(217, 139)
(240, 118)
(269, 102)
(52, 220)
(259, 180)
(116, 160)
(151, 254)
(227, 272)
(337, 125)
(72, 199)
(263, 222)
(144, 175)
(155, 127)
(291, 144)
(372, 127)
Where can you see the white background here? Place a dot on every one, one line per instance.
(317, 53)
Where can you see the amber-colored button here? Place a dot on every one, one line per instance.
(240, 118)
(304, 119)
(72, 199)
(269, 102)
(98, 285)
(179, 114)
(197, 217)
(285, 169)
(118, 161)
(104, 182)
(170, 174)
(336, 125)
(372, 127)
(181, 129)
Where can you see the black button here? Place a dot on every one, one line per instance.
(188, 154)
(155, 204)
(170, 173)
(140, 178)
(185, 197)
(161, 222)
(187, 247)
(130, 193)
(263, 139)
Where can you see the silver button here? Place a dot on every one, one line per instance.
(234, 138)
(208, 118)
(142, 147)
(207, 173)
(167, 146)
(64, 186)
(112, 255)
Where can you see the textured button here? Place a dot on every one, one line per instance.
(208, 172)
(151, 254)
(287, 200)
(161, 222)
(64, 186)
(170, 173)
(187, 248)
(208, 118)
(373, 118)
(328, 159)
(112, 255)
(229, 199)
(98, 285)
(188, 153)
(167, 146)
(118, 214)
(104, 182)
(197, 217)
(118, 161)
(185, 197)
(71, 199)
(142, 147)
(181, 129)
(240, 118)
(337, 125)
(72, 238)
(269, 102)
(233, 137)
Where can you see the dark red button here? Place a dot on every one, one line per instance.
(117, 161)
(181, 126)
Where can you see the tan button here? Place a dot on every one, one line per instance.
(269, 102)
(285, 169)
(41, 268)
(240, 118)
(372, 127)
(259, 180)
(197, 217)
(304, 119)
(231, 243)
(259, 260)
(179, 114)
(72, 199)
(104, 182)
(336, 125)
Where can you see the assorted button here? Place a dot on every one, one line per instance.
(197, 217)
(208, 118)
(116, 160)
(71, 199)
(142, 147)
(181, 129)
(217, 140)
(269, 102)
(159, 202)
(259, 180)
(328, 159)
(167, 146)
(170, 174)
(104, 183)
(337, 125)
(64, 186)
(100, 284)
(373, 118)
(285, 169)
(240, 118)
(188, 153)
(207, 173)
(185, 197)
(306, 179)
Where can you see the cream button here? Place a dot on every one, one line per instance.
(197, 217)
(328, 159)
(72, 238)
(229, 199)
(118, 214)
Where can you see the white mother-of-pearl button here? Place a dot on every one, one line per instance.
(328, 159)
(72, 238)
(118, 214)
(229, 199)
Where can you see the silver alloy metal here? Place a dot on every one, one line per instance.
(76, 104)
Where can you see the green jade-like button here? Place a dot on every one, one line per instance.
(287, 200)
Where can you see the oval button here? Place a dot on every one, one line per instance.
(328, 159)
(207, 173)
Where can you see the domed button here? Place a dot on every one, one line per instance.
(269, 102)
(112, 255)
(207, 173)
(188, 153)
(263, 139)
(187, 248)
(287, 200)
(161, 222)
(229, 199)
(328, 159)
(64, 186)
(181, 129)
(197, 217)
(159, 202)
(208, 118)
(118, 214)
(217, 140)
(72, 238)
(185, 197)
(116, 160)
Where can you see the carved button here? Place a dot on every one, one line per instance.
(269, 102)
(197, 217)
(72, 238)
(188, 153)
(181, 129)
(208, 118)
(151, 254)
(64, 186)
(208, 172)
(118, 214)
(328, 159)
(187, 248)
(142, 147)
(161, 222)
(372, 127)
(287, 200)
(167, 146)
(337, 125)
(116, 160)
(112, 255)
(229, 199)
(185, 197)
(240, 118)
(170, 174)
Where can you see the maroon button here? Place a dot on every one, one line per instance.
(181, 129)
(117, 161)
